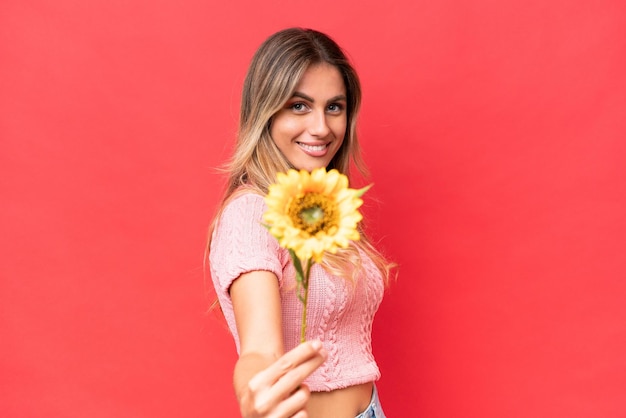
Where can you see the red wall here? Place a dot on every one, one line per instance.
(495, 132)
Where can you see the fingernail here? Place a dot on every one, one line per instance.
(316, 344)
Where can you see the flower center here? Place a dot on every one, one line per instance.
(313, 212)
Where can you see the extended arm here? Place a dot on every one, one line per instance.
(268, 383)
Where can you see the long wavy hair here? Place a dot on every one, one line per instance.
(275, 71)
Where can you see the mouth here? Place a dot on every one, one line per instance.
(314, 150)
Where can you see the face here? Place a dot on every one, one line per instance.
(311, 126)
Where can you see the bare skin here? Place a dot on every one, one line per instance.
(341, 403)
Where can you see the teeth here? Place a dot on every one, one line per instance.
(312, 147)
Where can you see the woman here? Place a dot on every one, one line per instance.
(301, 98)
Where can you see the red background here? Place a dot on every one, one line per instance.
(495, 134)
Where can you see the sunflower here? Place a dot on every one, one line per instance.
(310, 213)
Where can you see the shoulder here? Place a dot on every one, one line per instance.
(241, 243)
(244, 198)
(243, 205)
(241, 222)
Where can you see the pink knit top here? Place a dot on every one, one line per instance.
(340, 313)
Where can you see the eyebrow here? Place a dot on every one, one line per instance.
(310, 99)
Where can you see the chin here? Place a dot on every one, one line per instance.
(312, 167)
(308, 166)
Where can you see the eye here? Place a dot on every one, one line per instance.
(335, 108)
(299, 107)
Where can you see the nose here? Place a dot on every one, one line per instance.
(318, 125)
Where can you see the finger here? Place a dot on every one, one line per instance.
(300, 355)
(294, 405)
(288, 361)
(294, 377)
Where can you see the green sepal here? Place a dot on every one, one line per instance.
(298, 265)
(360, 192)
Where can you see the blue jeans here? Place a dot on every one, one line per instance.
(374, 410)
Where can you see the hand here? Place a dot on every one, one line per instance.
(277, 391)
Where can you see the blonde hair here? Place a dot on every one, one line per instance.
(274, 72)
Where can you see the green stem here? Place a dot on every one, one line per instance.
(305, 285)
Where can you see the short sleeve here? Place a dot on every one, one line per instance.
(241, 244)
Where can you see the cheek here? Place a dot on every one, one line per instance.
(339, 127)
(285, 127)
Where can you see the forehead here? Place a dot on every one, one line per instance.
(322, 78)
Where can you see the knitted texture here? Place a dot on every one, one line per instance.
(340, 312)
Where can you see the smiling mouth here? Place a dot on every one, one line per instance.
(313, 148)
